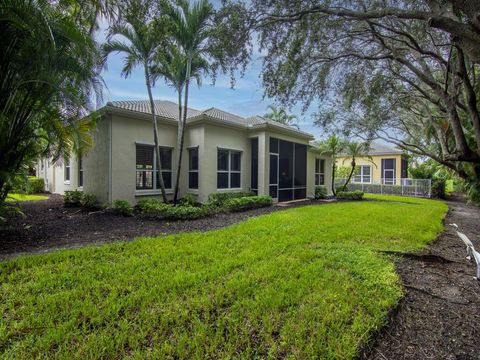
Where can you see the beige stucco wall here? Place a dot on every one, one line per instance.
(54, 175)
(96, 163)
(376, 164)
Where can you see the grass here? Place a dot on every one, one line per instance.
(24, 197)
(301, 283)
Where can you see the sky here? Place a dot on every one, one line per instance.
(246, 99)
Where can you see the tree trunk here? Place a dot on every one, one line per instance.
(182, 137)
(350, 176)
(333, 177)
(155, 136)
(179, 145)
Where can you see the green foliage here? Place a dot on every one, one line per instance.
(89, 201)
(49, 74)
(320, 192)
(189, 199)
(281, 116)
(219, 198)
(122, 207)
(22, 197)
(247, 202)
(73, 198)
(449, 186)
(153, 208)
(350, 195)
(438, 188)
(308, 282)
(343, 171)
(36, 185)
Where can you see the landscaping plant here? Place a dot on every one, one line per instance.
(122, 207)
(247, 203)
(320, 192)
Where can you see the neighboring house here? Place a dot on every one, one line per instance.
(383, 165)
(223, 152)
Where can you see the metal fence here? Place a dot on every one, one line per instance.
(402, 187)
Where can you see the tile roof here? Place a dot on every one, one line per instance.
(169, 110)
(378, 149)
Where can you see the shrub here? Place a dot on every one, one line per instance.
(438, 188)
(219, 198)
(89, 201)
(152, 208)
(320, 192)
(350, 195)
(36, 185)
(248, 202)
(189, 199)
(73, 198)
(122, 207)
(185, 212)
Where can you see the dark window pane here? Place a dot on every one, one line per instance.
(273, 169)
(144, 154)
(274, 145)
(300, 165)
(193, 159)
(317, 179)
(144, 180)
(166, 158)
(222, 160)
(300, 194)
(167, 180)
(273, 191)
(317, 165)
(285, 195)
(322, 166)
(254, 164)
(193, 180)
(285, 166)
(235, 180)
(235, 161)
(222, 180)
(322, 180)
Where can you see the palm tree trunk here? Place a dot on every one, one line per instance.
(350, 176)
(179, 145)
(184, 122)
(333, 177)
(155, 135)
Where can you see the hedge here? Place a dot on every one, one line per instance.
(247, 203)
(219, 198)
(350, 195)
(320, 192)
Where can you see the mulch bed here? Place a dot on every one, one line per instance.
(439, 317)
(49, 225)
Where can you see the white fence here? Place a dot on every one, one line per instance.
(402, 187)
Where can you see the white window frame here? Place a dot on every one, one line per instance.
(318, 174)
(154, 170)
(361, 175)
(229, 170)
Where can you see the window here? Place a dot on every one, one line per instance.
(193, 168)
(146, 168)
(319, 172)
(80, 171)
(363, 174)
(254, 165)
(228, 169)
(67, 169)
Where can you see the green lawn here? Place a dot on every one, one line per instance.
(301, 283)
(24, 197)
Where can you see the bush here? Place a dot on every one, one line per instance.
(350, 195)
(189, 199)
(219, 198)
(89, 201)
(247, 202)
(36, 185)
(438, 188)
(186, 212)
(73, 198)
(320, 192)
(152, 208)
(122, 207)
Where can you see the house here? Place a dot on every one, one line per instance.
(383, 164)
(223, 152)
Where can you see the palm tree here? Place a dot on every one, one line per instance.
(191, 31)
(49, 71)
(332, 147)
(354, 150)
(140, 45)
(281, 116)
